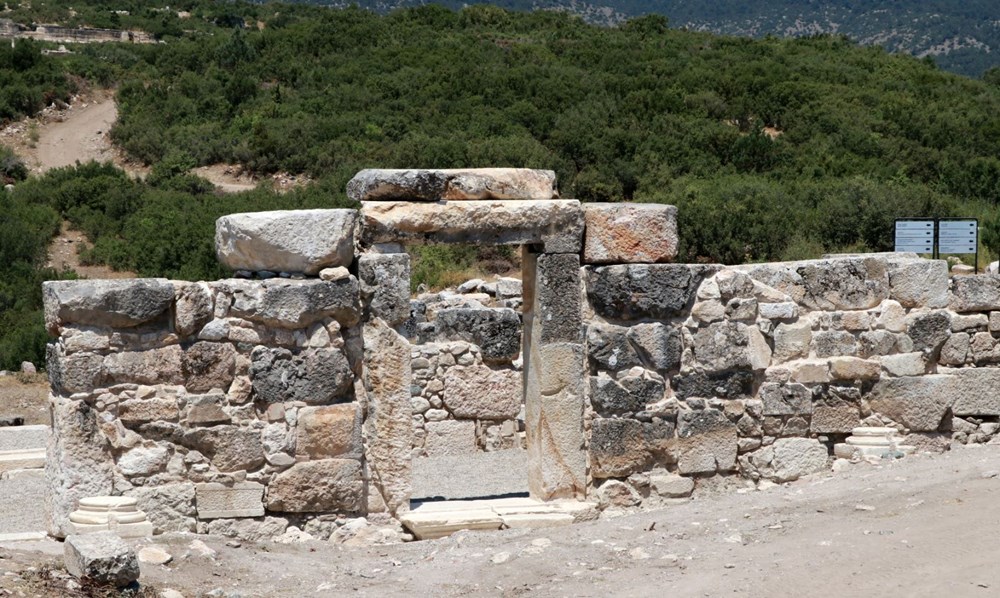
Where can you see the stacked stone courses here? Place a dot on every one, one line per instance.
(314, 387)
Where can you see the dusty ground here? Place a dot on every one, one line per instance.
(922, 526)
(25, 399)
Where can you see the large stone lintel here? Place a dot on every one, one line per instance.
(459, 184)
(555, 224)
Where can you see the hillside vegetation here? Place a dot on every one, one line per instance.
(771, 149)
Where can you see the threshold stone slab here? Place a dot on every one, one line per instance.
(555, 224)
(457, 184)
(305, 241)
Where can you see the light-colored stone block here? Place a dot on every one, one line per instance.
(450, 437)
(23, 437)
(452, 184)
(629, 233)
(215, 501)
(286, 240)
(478, 392)
(853, 368)
(903, 364)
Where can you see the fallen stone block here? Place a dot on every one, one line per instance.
(555, 224)
(438, 524)
(101, 558)
(629, 233)
(455, 184)
(294, 241)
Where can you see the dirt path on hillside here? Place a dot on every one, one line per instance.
(81, 136)
(922, 526)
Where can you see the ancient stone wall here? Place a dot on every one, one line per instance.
(314, 386)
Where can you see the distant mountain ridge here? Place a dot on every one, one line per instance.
(962, 37)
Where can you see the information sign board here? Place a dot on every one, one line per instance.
(915, 235)
(958, 236)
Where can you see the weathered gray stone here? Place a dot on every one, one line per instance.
(919, 403)
(456, 184)
(919, 282)
(984, 348)
(206, 410)
(834, 343)
(229, 448)
(833, 415)
(192, 307)
(318, 486)
(115, 303)
(478, 392)
(154, 366)
(169, 507)
(101, 558)
(905, 364)
(78, 462)
(731, 345)
(450, 437)
(68, 374)
(609, 348)
(286, 240)
(248, 530)
(629, 395)
(975, 392)
(637, 291)
(969, 323)
(785, 399)
(723, 385)
(143, 461)
(283, 303)
(657, 345)
(617, 448)
(929, 331)
(497, 332)
(955, 350)
(245, 499)
(975, 293)
(471, 475)
(706, 442)
(877, 342)
(135, 412)
(388, 427)
(847, 283)
(327, 432)
(556, 295)
(207, 365)
(629, 233)
(791, 341)
(854, 368)
(786, 310)
(671, 486)
(314, 376)
(555, 224)
(385, 285)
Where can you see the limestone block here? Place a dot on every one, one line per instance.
(282, 303)
(854, 368)
(135, 412)
(731, 345)
(101, 559)
(891, 316)
(248, 530)
(388, 429)
(811, 371)
(143, 460)
(629, 233)
(844, 284)
(169, 507)
(318, 486)
(497, 332)
(791, 341)
(450, 437)
(877, 342)
(834, 417)
(671, 486)
(657, 345)
(303, 241)
(115, 303)
(556, 296)
(708, 311)
(453, 184)
(78, 462)
(555, 224)
(229, 448)
(608, 347)
(193, 307)
(984, 348)
(214, 501)
(314, 376)
(706, 442)
(782, 280)
(206, 410)
(84, 338)
(741, 309)
(23, 437)
(904, 364)
(617, 448)
(786, 310)
(154, 366)
(471, 475)
(207, 366)
(975, 293)
(796, 457)
(974, 392)
(919, 403)
(638, 291)
(970, 322)
(68, 374)
(834, 343)
(994, 324)
(478, 392)
(326, 432)
(385, 285)
(919, 282)
(785, 399)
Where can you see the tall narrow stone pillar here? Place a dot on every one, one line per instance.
(554, 376)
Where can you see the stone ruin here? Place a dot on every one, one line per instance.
(312, 387)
